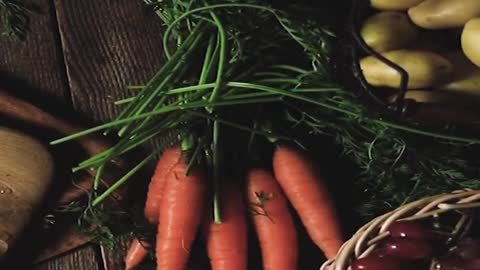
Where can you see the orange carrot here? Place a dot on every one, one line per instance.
(227, 242)
(136, 253)
(308, 194)
(167, 160)
(181, 212)
(273, 222)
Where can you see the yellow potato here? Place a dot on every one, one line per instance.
(465, 76)
(471, 40)
(424, 68)
(394, 4)
(388, 30)
(26, 171)
(440, 14)
(430, 96)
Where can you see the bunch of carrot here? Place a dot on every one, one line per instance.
(176, 205)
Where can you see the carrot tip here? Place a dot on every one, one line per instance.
(128, 267)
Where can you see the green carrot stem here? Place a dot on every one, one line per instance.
(206, 68)
(124, 101)
(221, 59)
(354, 114)
(228, 95)
(175, 91)
(98, 177)
(280, 92)
(240, 127)
(124, 178)
(183, 51)
(163, 110)
(145, 121)
(187, 143)
(279, 80)
(135, 87)
(317, 90)
(194, 157)
(159, 77)
(216, 208)
(158, 90)
(272, 74)
(201, 9)
(207, 61)
(216, 173)
(119, 149)
(92, 161)
(290, 94)
(128, 143)
(247, 95)
(289, 68)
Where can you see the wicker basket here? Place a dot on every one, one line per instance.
(365, 240)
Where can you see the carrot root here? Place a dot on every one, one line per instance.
(136, 254)
(155, 189)
(308, 194)
(227, 242)
(273, 221)
(181, 212)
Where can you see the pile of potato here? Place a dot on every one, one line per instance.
(410, 33)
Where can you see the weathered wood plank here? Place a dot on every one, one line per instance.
(108, 45)
(34, 69)
(85, 258)
(35, 66)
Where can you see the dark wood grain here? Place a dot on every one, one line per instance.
(108, 45)
(80, 56)
(34, 69)
(35, 66)
(85, 258)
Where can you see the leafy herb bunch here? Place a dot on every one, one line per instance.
(15, 19)
(227, 61)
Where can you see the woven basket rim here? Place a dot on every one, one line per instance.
(364, 240)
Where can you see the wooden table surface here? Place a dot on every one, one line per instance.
(81, 55)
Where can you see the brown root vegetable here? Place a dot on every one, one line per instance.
(424, 69)
(442, 14)
(26, 170)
